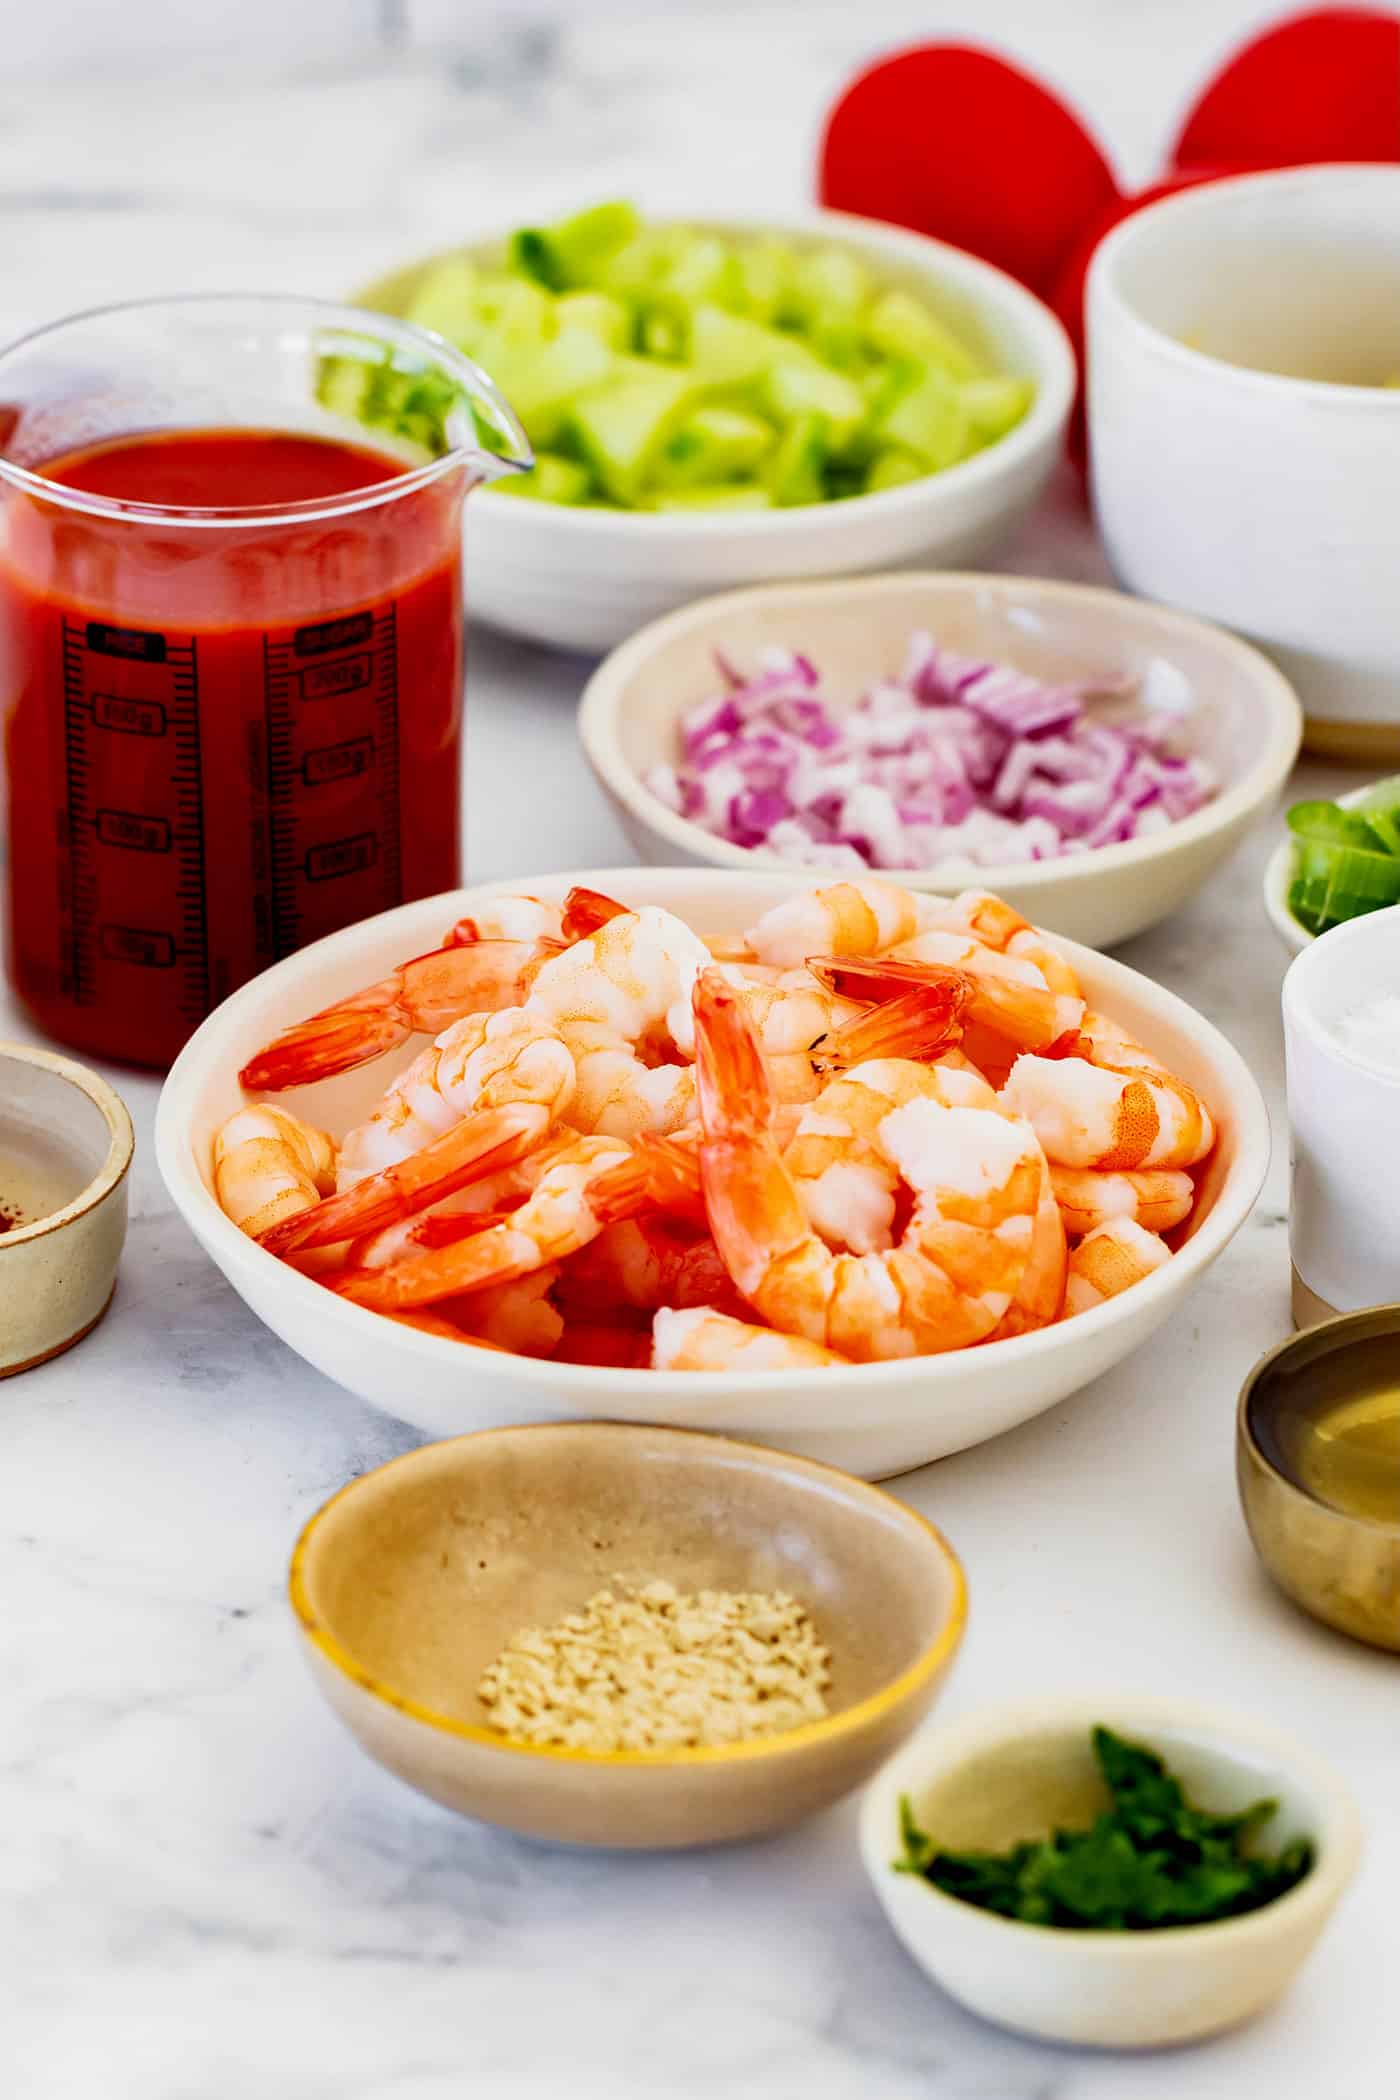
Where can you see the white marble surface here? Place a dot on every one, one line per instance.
(205, 1892)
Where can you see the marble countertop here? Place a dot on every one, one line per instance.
(207, 1891)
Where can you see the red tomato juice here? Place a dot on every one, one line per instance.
(223, 738)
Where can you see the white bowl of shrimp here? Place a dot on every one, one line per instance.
(1185, 1145)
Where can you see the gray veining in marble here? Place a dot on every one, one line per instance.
(206, 1893)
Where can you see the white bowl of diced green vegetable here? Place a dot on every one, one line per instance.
(721, 403)
(1339, 861)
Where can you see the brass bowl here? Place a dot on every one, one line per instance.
(1343, 1569)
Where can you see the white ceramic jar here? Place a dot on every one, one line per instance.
(1344, 1122)
(1245, 446)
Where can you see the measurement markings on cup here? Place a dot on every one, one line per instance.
(125, 691)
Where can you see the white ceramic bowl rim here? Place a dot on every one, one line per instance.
(1198, 201)
(120, 1147)
(597, 1382)
(1268, 767)
(1056, 378)
(1336, 1842)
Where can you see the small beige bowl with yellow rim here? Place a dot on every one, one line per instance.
(65, 1147)
(409, 1582)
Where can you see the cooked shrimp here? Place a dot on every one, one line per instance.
(520, 1315)
(586, 911)
(269, 1165)
(1111, 1259)
(700, 1339)
(421, 997)
(993, 921)
(482, 1061)
(1004, 995)
(1110, 1106)
(1157, 1199)
(446, 1330)
(849, 918)
(642, 1263)
(807, 1032)
(477, 1146)
(508, 917)
(974, 1174)
(1040, 1294)
(612, 1345)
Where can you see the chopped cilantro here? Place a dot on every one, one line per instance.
(1152, 1859)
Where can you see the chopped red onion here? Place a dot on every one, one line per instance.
(956, 765)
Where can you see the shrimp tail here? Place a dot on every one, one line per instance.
(662, 1174)
(920, 1024)
(1024, 1014)
(479, 1145)
(585, 911)
(423, 996)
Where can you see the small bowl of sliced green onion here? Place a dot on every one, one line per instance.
(1340, 860)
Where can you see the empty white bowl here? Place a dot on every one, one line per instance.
(1016, 1772)
(584, 578)
(1240, 714)
(871, 1419)
(1245, 447)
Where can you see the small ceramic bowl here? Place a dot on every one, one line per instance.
(1342, 1568)
(65, 1146)
(606, 571)
(1278, 875)
(1244, 427)
(1019, 1771)
(875, 1419)
(411, 1580)
(1236, 711)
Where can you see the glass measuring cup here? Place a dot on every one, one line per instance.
(231, 644)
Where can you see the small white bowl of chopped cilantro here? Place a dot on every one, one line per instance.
(1339, 861)
(714, 402)
(1089, 757)
(1126, 1873)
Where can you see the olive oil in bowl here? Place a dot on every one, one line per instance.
(1333, 1427)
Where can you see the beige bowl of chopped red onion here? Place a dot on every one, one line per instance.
(1090, 757)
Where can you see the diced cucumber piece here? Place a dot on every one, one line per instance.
(706, 268)
(409, 405)
(598, 314)
(727, 496)
(995, 406)
(829, 287)
(543, 382)
(903, 326)
(731, 350)
(567, 254)
(553, 480)
(891, 468)
(765, 278)
(793, 390)
(341, 386)
(1379, 811)
(620, 427)
(661, 334)
(511, 313)
(930, 419)
(714, 445)
(635, 269)
(446, 299)
(796, 472)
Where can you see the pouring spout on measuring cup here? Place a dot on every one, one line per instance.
(231, 640)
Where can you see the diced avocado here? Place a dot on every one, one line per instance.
(791, 390)
(567, 254)
(726, 496)
(595, 313)
(903, 326)
(543, 381)
(552, 480)
(713, 445)
(891, 468)
(619, 428)
(446, 299)
(795, 475)
(930, 419)
(995, 406)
